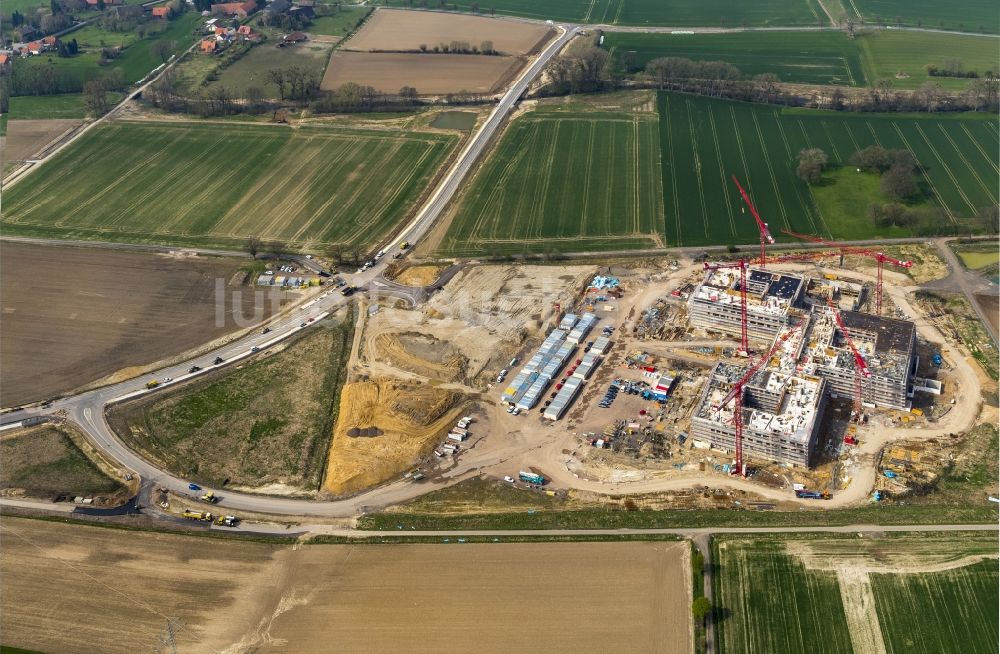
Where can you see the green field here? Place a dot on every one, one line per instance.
(655, 12)
(885, 54)
(801, 593)
(804, 57)
(44, 461)
(570, 177)
(136, 60)
(770, 602)
(564, 182)
(954, 611)
(967, 15)
(45, 107)
(251, 69)
(341, 23)
(214, 184)
(704, 141)
(269, 421)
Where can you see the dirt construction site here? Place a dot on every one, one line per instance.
(617, 438)
(208, 595)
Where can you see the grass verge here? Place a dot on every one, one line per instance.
(267, 422)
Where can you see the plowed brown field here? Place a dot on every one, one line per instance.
(75, 588)
(430, 74)
(393, 29)
(74, 315)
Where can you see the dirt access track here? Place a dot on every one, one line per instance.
(430, 74)
(400, 30)
(72, 315)
(74, 588)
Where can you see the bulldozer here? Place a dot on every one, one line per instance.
(209, 497)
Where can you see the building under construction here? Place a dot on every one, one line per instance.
(784, 401)
(771, 299)
(782, 409)
(888, 346)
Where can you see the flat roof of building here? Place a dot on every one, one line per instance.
(891, 334)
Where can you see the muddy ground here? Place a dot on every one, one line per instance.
(73, 588)
(73, 315)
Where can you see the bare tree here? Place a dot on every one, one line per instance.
(252, 246)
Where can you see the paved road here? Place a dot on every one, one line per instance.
(88, 409)
(966, 282)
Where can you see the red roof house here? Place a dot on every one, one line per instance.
(208, 45)
(161, 12)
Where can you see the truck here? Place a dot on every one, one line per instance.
(197, 515)
(456, 437)
(812, 495)
(460, 431)
(209, 497)
(227, 521)
(531, 478)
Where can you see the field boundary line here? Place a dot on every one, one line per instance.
(947, 209)
(635, 178)
(770, 170)
(697, 167)
(722, 173)
(975, 143)
(971, 168)
(673, 169)
(947, 169)
(859, 611)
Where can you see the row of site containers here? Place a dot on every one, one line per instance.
(583, 328)
(587, 365)
(601, 345)
(563, 399)
(568, 321)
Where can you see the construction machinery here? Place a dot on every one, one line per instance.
(209, 497)
(197, 515)
(765, 234)
(227, 521)
(736, 393)
(880, 257)
(860, 367)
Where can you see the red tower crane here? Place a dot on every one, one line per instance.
(860, 367)
(736, 393)
(880, 258)
(765, 234)
(742, 264)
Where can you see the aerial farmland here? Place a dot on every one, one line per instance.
(568, 326)
(435, 54)
(204, 184)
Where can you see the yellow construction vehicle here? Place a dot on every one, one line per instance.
(209, 497)
(197, 515)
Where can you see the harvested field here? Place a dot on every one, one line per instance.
(365, 598)
(73, 315)
(264, 426)
(419, 275)
(189, 183)
(430, 74)
(990, 305)
(407, 419)
(26, 138)
(49, 460)
(397, 30)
